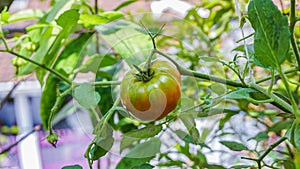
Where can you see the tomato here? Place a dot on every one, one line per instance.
(153, 98)
(31, 47)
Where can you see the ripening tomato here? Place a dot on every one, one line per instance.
(153, 98)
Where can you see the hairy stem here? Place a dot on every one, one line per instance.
(276, 75)
(188, 72)
(289, 92)
(293, 21)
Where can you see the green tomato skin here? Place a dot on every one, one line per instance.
(154, 99)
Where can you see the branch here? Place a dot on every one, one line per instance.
(8, 94)
(271, 147)
(188, 72)
(36, 128)
(42, 66)
(276, 99)
(293, 20)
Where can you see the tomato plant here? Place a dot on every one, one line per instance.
(237, 92)
(151, 94)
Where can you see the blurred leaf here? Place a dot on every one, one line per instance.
(145, 149)
(72, 167)
(271, 43)
(135, 135)
(226, 119)
(140, 154)
(124, 4)
(90, 20)
(108, 61)
(91, 64)
(28, 14)
(127, 162)
(289, 164)
(281, 125)
(214, 166)
(260, 136)
(67, 21)
(188, 138)
(240, 93)
(242, 167)
(218, 88)
(86, 95)
(131, 45)
(45, 37)
(234, 146)
(188, 118)
(144, 166)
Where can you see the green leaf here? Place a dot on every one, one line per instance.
(226, 119)
(242, 166)
(234, 146)
(214, 166)
(108, 60)
(131, 45)
(188, 138)
(72, 167)
(144, 166)
(146, 149)
(294, 138)
(45, 37)
(91, 64)
(260, 137)
(281, 125)
(86, 95)
(72, 54)
(140, 154)
(271, 41)
(67, 21)
(124, 4)
(218, 88)
(127, 162)
(135, 135)
(188, 118)
(90, 20)
(103, 141)
(240, 93)
(48, 99)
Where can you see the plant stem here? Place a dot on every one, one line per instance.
(293, 20)
(95, 114)
(148, 62)
(36, 128)
(271, 147)
(276, 75)
(272, 96)
(42, 66)
(187, 72)
(289, 92)
(54, 109)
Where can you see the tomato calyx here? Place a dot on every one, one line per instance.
(143, 75)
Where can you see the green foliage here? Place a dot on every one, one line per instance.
(219, 91)
(234, 146)
(272, 42)
(72, 167)
(86, 96)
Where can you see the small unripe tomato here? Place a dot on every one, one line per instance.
(31, 47)
(154, 98)
(18, 61)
